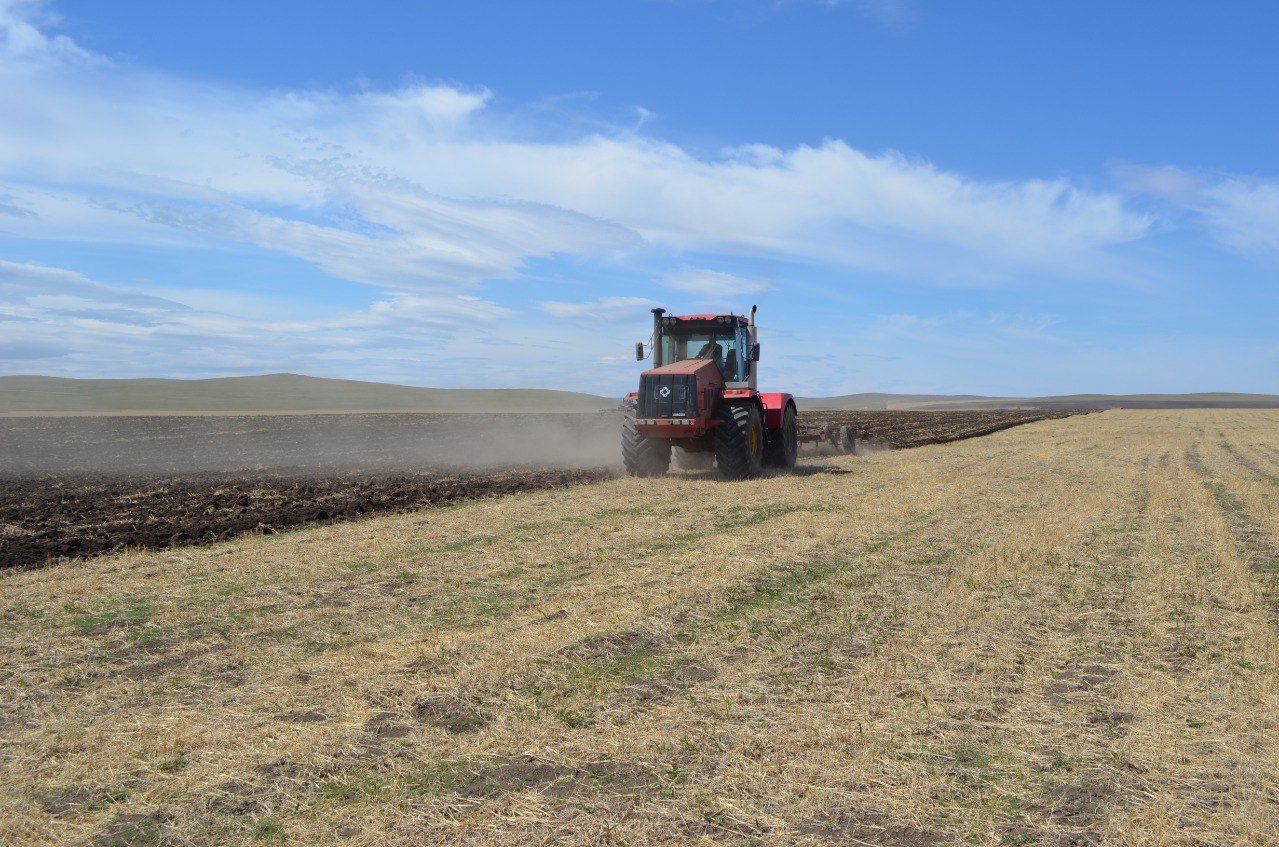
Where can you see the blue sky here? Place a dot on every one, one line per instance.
(999, 198)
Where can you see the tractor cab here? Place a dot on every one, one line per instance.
(727, 340)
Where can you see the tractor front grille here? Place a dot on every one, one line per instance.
(668, 396)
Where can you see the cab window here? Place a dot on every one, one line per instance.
(723, 346)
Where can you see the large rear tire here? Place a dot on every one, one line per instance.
(643, 456)
(739, 441)
(781, 449)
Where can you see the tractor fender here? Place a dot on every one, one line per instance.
(775, 403)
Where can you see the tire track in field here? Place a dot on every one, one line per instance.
(355, 751)
(1200, 751)
(859, 703)
(1256, 545)
(764, 532)
(741, 668)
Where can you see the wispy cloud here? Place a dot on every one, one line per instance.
(69, 323)
(423, 186)
(602, 309)
(896, 15)
(713, 285)
(965, 327)
(22, 39)
(427, 193)
(1242, 213)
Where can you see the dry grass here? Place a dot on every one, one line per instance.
(1062, 634)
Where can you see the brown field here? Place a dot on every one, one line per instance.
(1061, 634)
(903, 429)
(86, 486)
(87, 515)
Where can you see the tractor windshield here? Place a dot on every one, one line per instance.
(722, 345)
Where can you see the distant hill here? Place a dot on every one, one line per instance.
(274, 393)
(879, 402)
(1206, 400)
(295, 393)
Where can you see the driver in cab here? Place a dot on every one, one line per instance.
(715, 351)
(711, 350)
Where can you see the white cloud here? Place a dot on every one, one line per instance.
(74, 325)
(22, 40)
(427, 192)
(714, 285)
(897, 15)
(604, 309)
(423, 188)
(964, 327)
(1163, 181)
(1244, 214)
(1241, 213)
(1026, 327)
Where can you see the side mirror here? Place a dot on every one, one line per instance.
(754, 352)
(639, 351)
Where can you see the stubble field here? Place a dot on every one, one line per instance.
(1060, 634)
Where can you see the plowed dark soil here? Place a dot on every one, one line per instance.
(45, 518)
(81, 486)
(77, 486)
(902, 429)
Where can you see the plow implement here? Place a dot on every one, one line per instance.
(844, 438)
(857, 431)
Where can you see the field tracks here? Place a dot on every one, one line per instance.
(1049, 636)
(753, 634)
(1202, 607)
(1243, 477)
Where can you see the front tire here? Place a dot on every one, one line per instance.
(643, 456)
(782, 447)
(739, 441)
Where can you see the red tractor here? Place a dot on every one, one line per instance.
(700, 398)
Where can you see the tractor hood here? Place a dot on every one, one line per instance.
(703, 369)
(678, 390)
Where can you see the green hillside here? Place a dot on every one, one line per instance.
(274, 393)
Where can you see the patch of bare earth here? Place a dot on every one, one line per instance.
(1056, 635)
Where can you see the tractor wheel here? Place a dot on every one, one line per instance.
(781, 448)
(739, 441)
(703, 460)
(643, 456)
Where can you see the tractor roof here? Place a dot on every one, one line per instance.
(726, 319)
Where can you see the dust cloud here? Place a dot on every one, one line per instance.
(307, 444)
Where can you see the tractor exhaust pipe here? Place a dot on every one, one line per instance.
(752, 320)
(657, 337)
